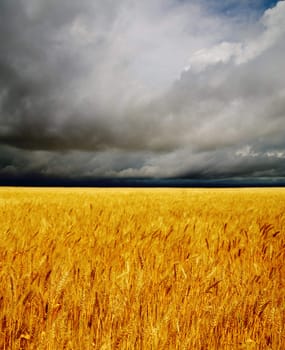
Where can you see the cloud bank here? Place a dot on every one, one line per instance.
(137, 89)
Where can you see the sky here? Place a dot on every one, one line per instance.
(142, 89)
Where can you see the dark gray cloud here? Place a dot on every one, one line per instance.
(132, 89)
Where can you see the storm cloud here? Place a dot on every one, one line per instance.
(168, 88)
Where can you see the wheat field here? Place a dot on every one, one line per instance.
(142, 269)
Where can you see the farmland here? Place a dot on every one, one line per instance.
(142, 269)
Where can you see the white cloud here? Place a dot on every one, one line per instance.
(220, 53)
(241, 52)
(247, 151)
(276, 154)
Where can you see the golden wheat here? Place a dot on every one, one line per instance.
(142, 269)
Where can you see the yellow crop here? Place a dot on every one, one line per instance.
(142, 269)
